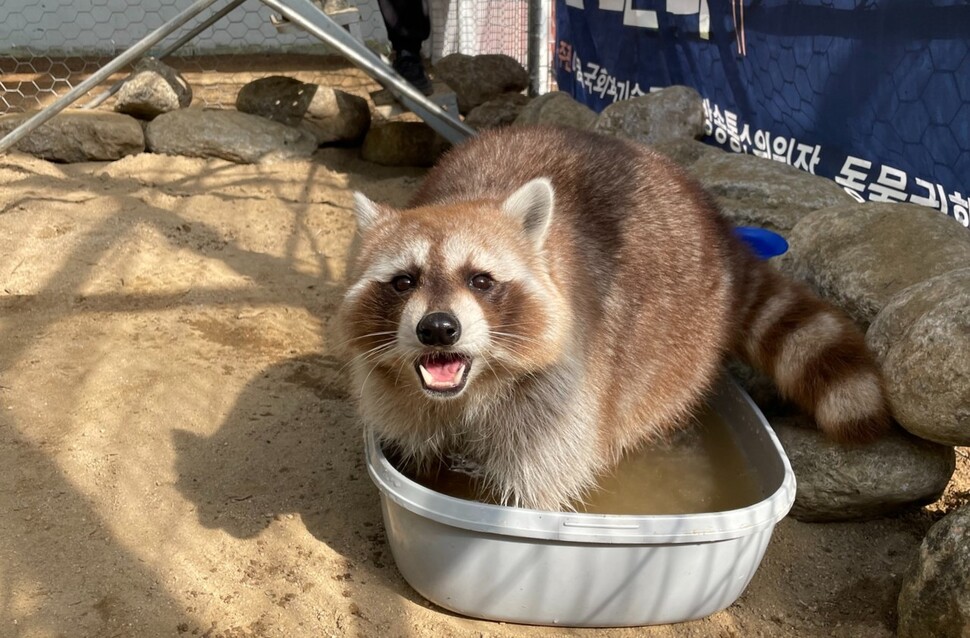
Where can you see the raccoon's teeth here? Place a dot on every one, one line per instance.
(437, 382)
(428, 379)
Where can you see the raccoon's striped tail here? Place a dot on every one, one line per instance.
(813, 352)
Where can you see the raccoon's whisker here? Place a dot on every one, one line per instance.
(519, 324)
(397, 379)
(367, 358)
(512, 345)
(364, 382)
(490, 360)
(368, 335)
(369, 355)
(512, 335)
(487, 363)
(383, 344)
(504, 367)
(513, 340)
(376, 350)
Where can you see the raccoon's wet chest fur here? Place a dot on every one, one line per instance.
(552, 298)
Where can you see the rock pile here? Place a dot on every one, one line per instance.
(230, 135)
(328, 114)
(480, 78)
(153, 88)
(674, 113)
(77, 135)
(277, 118)
(922, 339)
(935, 597)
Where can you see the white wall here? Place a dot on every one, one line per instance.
(102, 27)
(99, 27)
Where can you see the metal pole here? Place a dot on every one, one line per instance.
(534, 51)
(133, 53)
(169, 50)
(313, 20)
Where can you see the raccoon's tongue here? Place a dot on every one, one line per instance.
(442, 370)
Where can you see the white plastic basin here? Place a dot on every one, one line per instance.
(589, 570)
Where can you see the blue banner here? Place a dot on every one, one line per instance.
(874, 94)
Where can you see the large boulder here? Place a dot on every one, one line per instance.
(934, 601)
(686, 151)
(859, 256)
(230, 135)
(402, 143)
(837, 482)
(480, 78)
(497, 112)
(672, 113)
(76, 135)
(557, 109)
(922, 340)
(754, 191)
(329, 114)
(153, 88)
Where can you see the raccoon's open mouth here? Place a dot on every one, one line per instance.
(443, 373)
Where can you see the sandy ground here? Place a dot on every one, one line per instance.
(179, 456)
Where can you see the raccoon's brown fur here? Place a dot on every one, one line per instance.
(612, 292)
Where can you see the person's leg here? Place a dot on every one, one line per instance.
(407, 22)
(408, 26)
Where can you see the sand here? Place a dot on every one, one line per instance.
(180, 456)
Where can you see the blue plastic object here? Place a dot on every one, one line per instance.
(764, 243)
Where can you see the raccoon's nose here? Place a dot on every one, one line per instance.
(439, 329)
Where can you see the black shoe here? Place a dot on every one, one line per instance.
(411, 69)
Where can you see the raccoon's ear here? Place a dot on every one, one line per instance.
(532, 206)
(367, 211)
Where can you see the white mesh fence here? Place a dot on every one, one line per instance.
(48, 48)
(474, 27)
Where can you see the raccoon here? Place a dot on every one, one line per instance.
(551, 299)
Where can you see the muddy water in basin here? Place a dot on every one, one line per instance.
(700, 469)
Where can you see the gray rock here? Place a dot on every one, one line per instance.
(230, 135)
(837, 482)
(922, 340)
(672, 113)
(401, 143)
(329, 114)
(478, 79)
(761, 389)
(860, 255)
(75, 135)
(754, 191)
(934, 601)
(499, 111)
(153, 88)
(557, 109)
(686, 152)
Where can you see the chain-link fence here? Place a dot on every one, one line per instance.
(474, 27)
(48, 48)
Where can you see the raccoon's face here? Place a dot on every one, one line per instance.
(447, 298)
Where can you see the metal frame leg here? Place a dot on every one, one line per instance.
(103, 73)
(304, 14)
(300, 12)
(169, 50)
